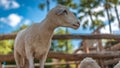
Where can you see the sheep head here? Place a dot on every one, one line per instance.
(61, 16)
(89, 63)
(117, 65)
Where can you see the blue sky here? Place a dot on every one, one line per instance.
(15, 13)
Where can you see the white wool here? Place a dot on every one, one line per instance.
(35, 41)
(89, 63)
(117, 65)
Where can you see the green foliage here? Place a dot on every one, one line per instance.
(48, 60)
(6, 46)
(114, 1)
(68, 3)
(41, 6)
(61, 45)
(21, 28)
(107, 5)
(85, 24)
(96, 23)
(100, 13)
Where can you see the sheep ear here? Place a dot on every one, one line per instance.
(59, 11)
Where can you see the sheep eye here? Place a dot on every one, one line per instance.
(65, 12)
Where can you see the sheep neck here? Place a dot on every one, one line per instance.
(48, 27)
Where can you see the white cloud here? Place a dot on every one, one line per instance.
(3, 19)
(97, 9)
(9, 4)
(105, 29)
(15, 4)
(12, 19)
(27, 22)
(114, 27)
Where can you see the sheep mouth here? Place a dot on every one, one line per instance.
(76, 25)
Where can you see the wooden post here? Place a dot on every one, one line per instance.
(0, 65)
(78, 64)
(85, 47)
(101, 62)
(100, 45)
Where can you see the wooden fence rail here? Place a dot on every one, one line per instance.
(72, 57)
(47, 64)
(68, 36)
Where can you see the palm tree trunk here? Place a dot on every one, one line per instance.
(48, 5)
(116, 11)
(108, 16)
(107, 6)
(66, 43)
(90, 14)
(67, 49)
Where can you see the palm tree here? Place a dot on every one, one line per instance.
(107, 7)
(45, 5)
(86, 7)
(116, 2)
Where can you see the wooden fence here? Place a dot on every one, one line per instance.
(71, 57)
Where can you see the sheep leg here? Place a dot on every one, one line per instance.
(42, 61)
(17, 57)
(19, 60)
(30, 58)
(26, 64)
(31, 61)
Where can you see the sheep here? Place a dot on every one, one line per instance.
(117, 65)
(89, 63)
(35, 41)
